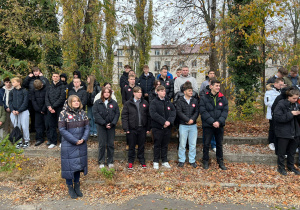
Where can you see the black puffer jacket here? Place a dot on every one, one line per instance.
(91, 96)
(28, 83)
(169, 85)
(152, 95)
(127, 93)
(81, 93)
(123, 80)
(38, 100)
(286, 124)
(146, 83)
(180, 94)
(212, 111)
(55, 95)
(161, 111)
(71, 85)
(204, 91)
(103, 115)
(185, 111)
(130, 118)
(18, 100)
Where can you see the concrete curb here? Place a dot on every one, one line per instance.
(268, 159)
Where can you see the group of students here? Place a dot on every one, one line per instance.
(283, 113)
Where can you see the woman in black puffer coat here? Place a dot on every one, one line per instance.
(73, 125)
(287, 130)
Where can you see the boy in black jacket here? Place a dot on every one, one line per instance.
(55, 99)
(38, 102)
(213, 111)
(18, 104)
(167, 83)
(163, 114)
(136, 123)
(127, 92)
(187, 113)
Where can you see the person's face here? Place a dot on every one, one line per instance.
(279, 85)
(178, 73)
(161, 93)
(75, 76)
(76, 83)
(185, 72)
(7, 84)
(131, 81)
(164, 73)
(106, 93)
(138, 95)
(293, 74)
(279, 75)
(108, 86)
(75, 103)
(211, 74)
(146, 70)
(63, 79)
(88, 80)
(188, 92)
(293, 99)
(55, 77)
(131, 73)
(15, 83)
(36, 73)
(215, 88)
(127, 70)
(158, 84)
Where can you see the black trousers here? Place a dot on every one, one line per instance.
(272, 136)
(40, 126)
(106, 139)
(161, 141)
(208, 134)
(287, 147)
(52, 123)
(136, 137)
(32, 116)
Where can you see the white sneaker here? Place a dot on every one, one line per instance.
(272, 146)
(214, 149)
(155, 165)
(297, 150)
(166, 165)
(101, 166)
(111, 165)
(60, 145)
(285, 156)
(51, 146)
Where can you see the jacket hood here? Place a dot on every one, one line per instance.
(78, 73)
(64, 75)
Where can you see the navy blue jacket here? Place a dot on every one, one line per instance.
(146, 83)
(73, 126)
(18, 100)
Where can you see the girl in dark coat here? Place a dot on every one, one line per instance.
(106, 112)
(153, 94)
(287, 130)
(74, 128)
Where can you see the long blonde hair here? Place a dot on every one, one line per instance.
(70, 99)
(90, 87)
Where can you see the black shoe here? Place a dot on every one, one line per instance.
(38, 143)
(222, 166)
(282, 171)
(77, 189)
(72, 192)
(180, 164)
(194, 164)
(295, 171)
(205, 165)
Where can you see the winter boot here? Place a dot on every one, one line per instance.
(221, 165)
(72, 192)
(205, 164)
(77, 189)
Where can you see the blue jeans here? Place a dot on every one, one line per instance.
(76, 178)
(212, 142)
(187, 132)
(93, 128)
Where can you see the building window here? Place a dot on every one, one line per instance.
(120, 52)
(120, 65)
(194, 74)
(168, 63)
(167, 52)
(181, 63)
(157, 65)
(157, 52)
(194, 63)
(274, 61)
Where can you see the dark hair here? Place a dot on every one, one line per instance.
(214, 81)
(102, 93)
(36, 69)
(163, 68)
(160, 87)
(38, 84)
(6, 79)
(277, 80)
(166, 66)
(283, 71)
(127, 67)
(295, 69)
(106, 83)
(55, 73)
(187, 85)
(211, 71)
(137, 89)
(292, 92)
(156, 83)
(179, 69)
